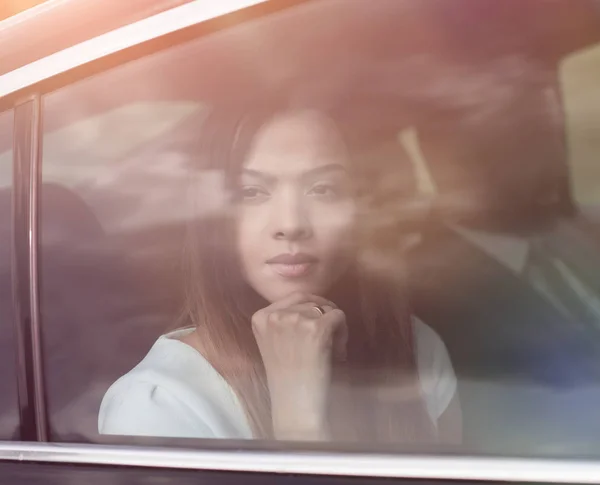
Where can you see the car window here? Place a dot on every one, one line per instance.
(9, 420)
(363, 232)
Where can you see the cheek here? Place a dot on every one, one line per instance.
(334, 226)
(248, 233)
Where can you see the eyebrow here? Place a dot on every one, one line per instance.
(323, 169)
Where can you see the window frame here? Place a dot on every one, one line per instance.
(30, 377)
(141, 38)
(19, 410)
(425, 467)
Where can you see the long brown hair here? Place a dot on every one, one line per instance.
(375, 395)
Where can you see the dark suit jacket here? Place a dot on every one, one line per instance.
(526, 373)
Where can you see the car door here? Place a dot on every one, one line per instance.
(468, 120)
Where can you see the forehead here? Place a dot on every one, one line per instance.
(296, 141)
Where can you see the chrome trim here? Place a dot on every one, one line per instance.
(119, 39)
(315, 463)
(19, 334)
(33, 241)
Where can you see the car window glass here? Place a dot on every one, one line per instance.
(412, 169)
(8, 385)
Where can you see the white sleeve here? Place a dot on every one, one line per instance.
(144, 409)
(436, 374)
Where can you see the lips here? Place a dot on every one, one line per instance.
(292, 265)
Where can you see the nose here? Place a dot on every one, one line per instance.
(291, 219)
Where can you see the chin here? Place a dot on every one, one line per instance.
(285, 289)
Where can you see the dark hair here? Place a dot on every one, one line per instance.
(375, 394)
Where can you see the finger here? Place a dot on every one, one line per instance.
(340, 341)
(312, 309)
(299, 298)
(319, 311)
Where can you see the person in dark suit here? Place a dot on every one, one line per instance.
(484, 276)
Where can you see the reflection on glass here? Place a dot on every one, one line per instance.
(414, 184)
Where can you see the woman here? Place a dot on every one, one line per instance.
(288, 334)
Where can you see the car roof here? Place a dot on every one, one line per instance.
(58, 24)
(55, 25)
(546, 32)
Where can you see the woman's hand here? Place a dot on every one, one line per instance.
(296, 344)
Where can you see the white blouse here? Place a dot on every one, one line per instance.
(174, 392)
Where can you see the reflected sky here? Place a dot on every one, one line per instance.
(119, 154)
(114, 135)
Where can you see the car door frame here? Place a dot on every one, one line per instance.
(22, 89)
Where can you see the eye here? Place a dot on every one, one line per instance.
(324, 190)
(252, 192)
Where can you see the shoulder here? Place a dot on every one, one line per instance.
(143, 403)
(172, 392)
(436, 374)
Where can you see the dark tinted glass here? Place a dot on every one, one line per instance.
(471, 135)
(8, 386)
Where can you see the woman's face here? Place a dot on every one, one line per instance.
(296, 208)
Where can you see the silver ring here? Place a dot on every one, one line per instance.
(320, 310)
